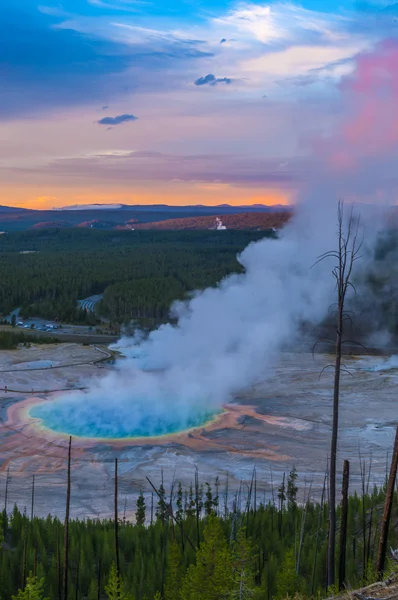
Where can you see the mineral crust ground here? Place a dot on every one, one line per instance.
(284, 419)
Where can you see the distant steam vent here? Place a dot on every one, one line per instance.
(218, 224)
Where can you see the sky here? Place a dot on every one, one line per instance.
(197, 102)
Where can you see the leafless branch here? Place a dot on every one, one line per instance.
(324, 369)
(363, 597)
(356, 344)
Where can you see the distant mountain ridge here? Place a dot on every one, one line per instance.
(8, 209)
(126, 216)
(172, 208)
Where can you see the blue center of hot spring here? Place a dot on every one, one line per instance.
(112, 422)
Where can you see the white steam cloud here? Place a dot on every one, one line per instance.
(225, 338)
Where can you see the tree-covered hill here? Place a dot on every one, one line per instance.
(45, 272)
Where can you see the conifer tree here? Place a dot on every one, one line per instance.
(243, 572)
(179, 515)
(209, 500)
(211, 578)
(141, 510)
(161, 507)
(113, 587)
(33, 589)
(292, 489)
(288, 583)
(190, 509)
(216, 499)
(282, 493)
(174, 573)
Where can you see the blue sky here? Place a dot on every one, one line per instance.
(202, 100)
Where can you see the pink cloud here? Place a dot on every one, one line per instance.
(372, 92)
(356, 157)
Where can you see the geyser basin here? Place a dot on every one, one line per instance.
(79, 415)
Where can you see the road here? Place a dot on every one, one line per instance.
(88, 304)
(76, 334)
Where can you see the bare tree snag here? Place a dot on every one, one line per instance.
(66, 527)
(33, 498)
(385, 524)
(197, 508)
(343, 525)
(346, 254)
(59, 583)
(99, 580)
(116, 523)
(8, 479)
(320, 515)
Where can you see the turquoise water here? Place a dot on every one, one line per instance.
(117, 422)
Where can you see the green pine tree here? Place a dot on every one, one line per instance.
(244, 560)
(209, 500)
(211, 578)
(179, 515)
(161, 507)
(174, 573)
(113, 587)
(288, 583)
(141, 510)
(33, 590)
(292, 489)
(190, 508)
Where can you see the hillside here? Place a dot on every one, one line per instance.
(121, 217)
(239, 221)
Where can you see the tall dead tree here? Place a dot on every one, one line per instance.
(66, 527)
(116, 524)
(385, 524)
(343, 524)
(32, 507)
(348, 251)
(8, 479)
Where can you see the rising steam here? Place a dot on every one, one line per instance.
(226, 337)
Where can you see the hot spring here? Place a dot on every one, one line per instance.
(80, 415)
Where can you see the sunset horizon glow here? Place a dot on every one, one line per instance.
(226, 102)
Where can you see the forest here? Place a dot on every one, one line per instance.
(45, 272)
(199, 543)
(9, 340)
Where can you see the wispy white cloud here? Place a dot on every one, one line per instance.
(281, 22)
(122, 5)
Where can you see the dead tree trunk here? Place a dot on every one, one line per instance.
(320, 515)
(59, 583)
(197, 508)
(8, 479)
(343, 525)
(99, 580)
(33, 499)
(346, 255)
(385, 524)
(333, 452)
(24, 558)
(116, 525)
(66, 528)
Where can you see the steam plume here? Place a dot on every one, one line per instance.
(226, 337)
